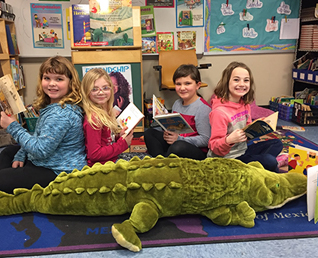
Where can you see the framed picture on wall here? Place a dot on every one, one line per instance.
(160, 3)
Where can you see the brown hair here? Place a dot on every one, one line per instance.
(58, 65)
(222, 88)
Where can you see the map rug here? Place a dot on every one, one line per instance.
(35, 233)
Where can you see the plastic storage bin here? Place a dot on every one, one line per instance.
(31, 123)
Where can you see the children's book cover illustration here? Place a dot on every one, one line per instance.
(130, 117)
(190, 13)
(173, 122)
(165, 41)
(149, 45)
(301, 158)
(81, 25)
(261, 127)
(186, 40)
(47, 25)
(147, 16)
(111, 23)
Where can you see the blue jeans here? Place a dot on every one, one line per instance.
(264, 152)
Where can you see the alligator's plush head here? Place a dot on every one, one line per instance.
(271, 190)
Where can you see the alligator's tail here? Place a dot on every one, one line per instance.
(21, 201)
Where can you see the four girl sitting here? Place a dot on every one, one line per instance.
(58, 141)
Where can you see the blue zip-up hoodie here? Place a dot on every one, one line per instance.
(58, 140)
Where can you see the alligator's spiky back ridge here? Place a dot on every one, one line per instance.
(174, 185)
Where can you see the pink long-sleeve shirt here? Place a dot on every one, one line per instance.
(224, 119)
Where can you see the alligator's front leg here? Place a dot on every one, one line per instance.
(241, 214)
(143, 218)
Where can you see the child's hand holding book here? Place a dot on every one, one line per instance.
(6, 120)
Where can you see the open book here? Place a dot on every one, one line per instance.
(10, 100)
(312, 205)
(261, 127)
(169, 121)
(130, 117)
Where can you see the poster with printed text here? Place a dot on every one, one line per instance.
(121, 77)
(47, 25)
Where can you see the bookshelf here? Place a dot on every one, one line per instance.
(9, 53)
(307, 49)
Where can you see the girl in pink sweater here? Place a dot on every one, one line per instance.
(230, 113)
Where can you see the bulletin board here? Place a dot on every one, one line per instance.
(248, 26)
(23, 24)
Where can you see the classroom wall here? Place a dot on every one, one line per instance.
(272, 74)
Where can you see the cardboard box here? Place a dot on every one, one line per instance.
(138, 145)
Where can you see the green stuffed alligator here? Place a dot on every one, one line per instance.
(226, 191)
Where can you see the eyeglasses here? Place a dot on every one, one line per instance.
(96, 90)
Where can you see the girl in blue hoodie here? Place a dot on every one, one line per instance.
(58, 141)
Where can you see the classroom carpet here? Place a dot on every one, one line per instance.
(35, 233)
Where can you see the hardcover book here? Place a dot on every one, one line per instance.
(186, 40)
(10, 42)
(261, 127)
(81, 25)
(300, 159)
(130, 117)
(165, 41)
(147, 16)
(173, 122)
(10, 101)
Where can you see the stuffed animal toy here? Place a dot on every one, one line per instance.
(226, 191)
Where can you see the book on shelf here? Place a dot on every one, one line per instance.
(15, 43)
(261, 126)
(312, 205)
(10, 100)
(169, 121)
(81, 25)
(111, 23)
(301, 158)
(130, 117)
(165, 41)
(9, 40)
(186, 40)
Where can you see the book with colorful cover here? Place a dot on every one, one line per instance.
(111, 23)
(147, 16)
(9, 40)
(186, 40)
(10, 101)
(300, 159)
(165, 41)
(81, 25)
(173, 122)
(15, 43)
(149, 45)
(261, 127)
(130, 117)
(157, 107)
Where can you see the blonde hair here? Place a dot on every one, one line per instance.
(97, 116)
(222, 88)
(58, 65)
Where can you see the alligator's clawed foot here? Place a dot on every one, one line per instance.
(246, 215)
(126, 236)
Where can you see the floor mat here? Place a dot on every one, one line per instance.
(34, 233)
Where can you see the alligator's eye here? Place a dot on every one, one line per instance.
(277, 185)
